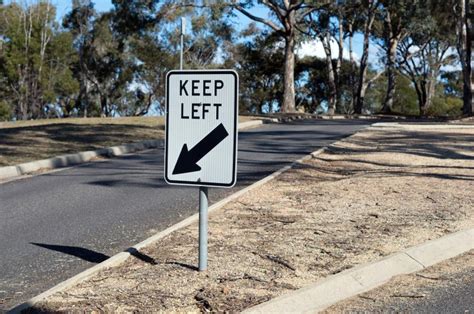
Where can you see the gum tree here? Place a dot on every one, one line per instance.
(464, 29)
(395, 19)
(286, 16)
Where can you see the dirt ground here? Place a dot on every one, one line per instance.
(378, 192)
(24, 141)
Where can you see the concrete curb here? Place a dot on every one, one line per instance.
(294, 116)
(62, 161)
(119, 258)
(10, 172)
(349, 283)
(420, 127)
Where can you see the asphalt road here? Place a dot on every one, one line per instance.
(450, 289)
(55, 225)
(457, 298)
(454, 296)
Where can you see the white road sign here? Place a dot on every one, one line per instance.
(201, 127)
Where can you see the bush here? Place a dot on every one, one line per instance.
(405, 101)
(5, 111)
(446, 106)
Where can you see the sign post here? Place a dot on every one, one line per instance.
(201, 135)
(203, 218)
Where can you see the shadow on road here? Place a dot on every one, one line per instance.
(82, 253)
(93, 256)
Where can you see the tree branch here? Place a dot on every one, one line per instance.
(376, 76)
(258, 19)
(275, 8)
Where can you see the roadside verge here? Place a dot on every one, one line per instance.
(68, 160)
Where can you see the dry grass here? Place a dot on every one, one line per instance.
(374, 194)
(25, 141)
(142, 121)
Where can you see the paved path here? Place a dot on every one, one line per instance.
(55, 225)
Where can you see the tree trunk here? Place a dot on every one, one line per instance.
(464, 47)
(332, 97)
(289, 75)
(361, 98)
(423, 99)
(425, 92)
(340, 59)
(23, 110)
(468, 106)
(22, 96)
(419, 87)
(361, 85)
(83, 90)
(288, 13)
(430, 91)
(362, 82)
(353, 68)
(104, 106)
(391, 55)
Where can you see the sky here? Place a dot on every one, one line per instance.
(64, 6)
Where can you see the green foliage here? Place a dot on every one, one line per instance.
(448, 98)
(259, 65)
(445, 103)
(80, 23)
(375, 94)
(452, 83)
(5, 111)
(132, 17)
(405, 98)
(155, 61)
(36, 58)
(313, 90)
(207, 38)
(114, 63)
(316, 91)
(446, 106)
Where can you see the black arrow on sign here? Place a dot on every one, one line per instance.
(187, 159)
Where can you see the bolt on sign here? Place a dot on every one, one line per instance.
(201, 127)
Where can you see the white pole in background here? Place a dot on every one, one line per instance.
(183, 31)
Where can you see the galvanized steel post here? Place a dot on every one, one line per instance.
(203, 216)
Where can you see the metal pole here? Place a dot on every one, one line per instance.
(183, 30)
(203, 204)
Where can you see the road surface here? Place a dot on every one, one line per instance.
(55, 225)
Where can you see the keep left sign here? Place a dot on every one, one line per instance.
(201, 127)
